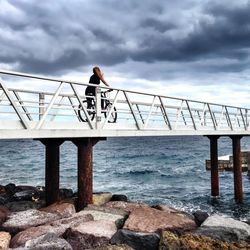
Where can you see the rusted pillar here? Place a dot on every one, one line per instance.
(238, 190)
(85, 171)
(52, 162)
(214, 165)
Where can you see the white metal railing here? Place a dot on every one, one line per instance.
(65, 108)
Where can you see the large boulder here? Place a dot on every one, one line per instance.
(90, 234)
(224, 228)
(102, 213)
(101, 198)
(48, 241)
(62, 209)
(136, 240)
(171, 241)
(57, 227)
(126, 206)
(19, 221)
(4, 240)
(151, 220)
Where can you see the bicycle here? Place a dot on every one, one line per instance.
(106, 105)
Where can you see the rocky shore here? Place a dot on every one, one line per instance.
(112, 222)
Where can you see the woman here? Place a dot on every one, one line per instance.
(94, 79)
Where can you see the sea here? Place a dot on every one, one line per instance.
(155, 170)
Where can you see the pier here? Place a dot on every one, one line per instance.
(60, 113)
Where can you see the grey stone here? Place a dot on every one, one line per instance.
(90, 234)
(98, 215)
(57, 227)
(65, 193)
(119, 197)
(24, 195)
(136, 240)
(48, 241)
(19, 221)
(224, 228)
(200, 217)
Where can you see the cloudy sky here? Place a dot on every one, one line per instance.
(184, 48)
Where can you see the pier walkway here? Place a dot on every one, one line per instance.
(31, 111)
(54, 110)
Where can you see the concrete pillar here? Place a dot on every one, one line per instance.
(238, 190)
(52, 168)
(214, 165)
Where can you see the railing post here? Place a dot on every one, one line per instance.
(41, 105)
(98, 107)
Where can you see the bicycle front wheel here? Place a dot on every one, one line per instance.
(81, 114)
(113, 116)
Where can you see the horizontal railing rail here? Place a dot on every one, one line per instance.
(66, 107)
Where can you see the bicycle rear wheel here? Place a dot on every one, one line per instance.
(113, 116)
(91, 112)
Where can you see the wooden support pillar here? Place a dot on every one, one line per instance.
(85, 171)
(238, 190)
(52, 168)
(214, 165)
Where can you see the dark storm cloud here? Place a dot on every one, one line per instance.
(55, 36)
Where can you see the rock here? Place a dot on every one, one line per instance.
(103, 215)
(4, 240)
(2, 190)
(101, 198)
(200, 217)
(126, 206)
(19, 221)
(65, 193)
(113, 247)
(136, 240)
(4, 198)
(119, 197)
(224, 228)
(62, 209)
(57, 227)
(17, 206)
(23, 195)
(10, 188)
(169, 241)
(3, 214)
(48, 241)
(90, 234)
(22, 237)
(21, 188)
(151, 220)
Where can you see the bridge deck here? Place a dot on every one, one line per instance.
(27, 111)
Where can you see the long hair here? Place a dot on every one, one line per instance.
(97, 72)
